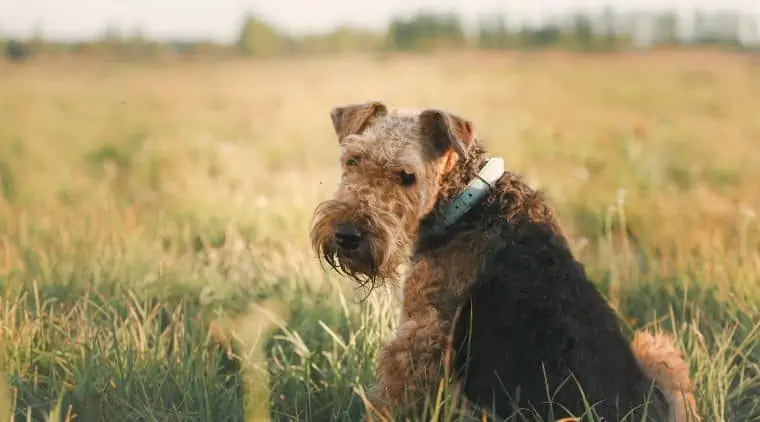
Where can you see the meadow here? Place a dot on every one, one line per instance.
(154, 254)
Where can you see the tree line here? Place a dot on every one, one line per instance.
(606, 30)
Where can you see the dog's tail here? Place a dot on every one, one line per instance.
(662, 361)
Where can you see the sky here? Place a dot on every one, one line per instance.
(220, 19)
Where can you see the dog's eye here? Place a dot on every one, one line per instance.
(352, 161)
(406, 179)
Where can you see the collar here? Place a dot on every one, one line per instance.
(474, 192)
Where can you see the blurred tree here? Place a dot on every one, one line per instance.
(136, 44)
(667, 27)
(341, 40)
(547, 35)
(37, 43)
(16, 50)
(501, 32)
(112, 39)
(425, 30)
(492, 32)
(584, 36)
(258, 37)
(609, 20)
(543, 36)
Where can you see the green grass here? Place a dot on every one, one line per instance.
(152, 215)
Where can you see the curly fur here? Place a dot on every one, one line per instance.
(533, 324)
(497, 299)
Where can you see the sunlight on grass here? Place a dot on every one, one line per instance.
(154, 258)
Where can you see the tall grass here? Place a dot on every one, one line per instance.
(154, 260)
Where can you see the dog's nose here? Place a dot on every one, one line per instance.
(347, 235)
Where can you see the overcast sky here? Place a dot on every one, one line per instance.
(219, 19)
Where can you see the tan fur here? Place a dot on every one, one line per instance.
(662, 361)
(378, 146)
(352, 118)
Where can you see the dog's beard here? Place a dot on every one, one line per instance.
(377, 260)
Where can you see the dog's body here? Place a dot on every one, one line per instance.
(496, 288)
(530, 320)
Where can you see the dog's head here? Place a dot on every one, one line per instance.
(392, 164)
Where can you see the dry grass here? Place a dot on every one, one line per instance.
(140, 202)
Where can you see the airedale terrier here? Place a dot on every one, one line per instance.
(492, 293)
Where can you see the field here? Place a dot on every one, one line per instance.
(153, 214)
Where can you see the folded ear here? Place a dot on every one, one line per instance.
(352, 118)
(446, 131)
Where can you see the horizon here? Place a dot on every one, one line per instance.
(203, 20)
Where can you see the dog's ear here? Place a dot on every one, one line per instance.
(446, 131)
(352, 118)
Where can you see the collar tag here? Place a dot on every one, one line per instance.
(474, 192)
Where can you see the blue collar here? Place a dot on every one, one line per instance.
(474, 192)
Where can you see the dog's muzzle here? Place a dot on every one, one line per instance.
(359, 244)
(348, 236)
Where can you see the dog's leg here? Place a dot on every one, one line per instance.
(412, 363)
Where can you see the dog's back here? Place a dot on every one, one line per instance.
(536, 335)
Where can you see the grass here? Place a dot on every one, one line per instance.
(153, 215)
